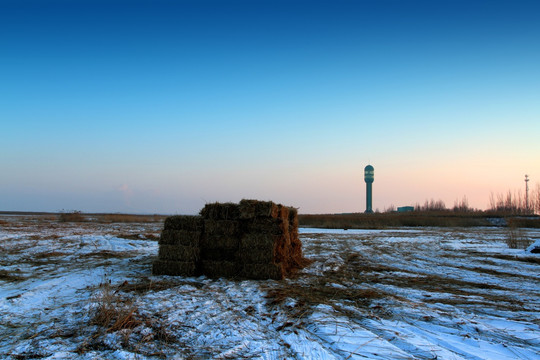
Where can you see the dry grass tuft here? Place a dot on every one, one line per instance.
(108, 254)
(323, 293)
(112, 313)
(10, 276)
(526, 259)
(516, 239)
(520, 222)
(529, 259)
(73, 216)
(49, 254)
(145, 285)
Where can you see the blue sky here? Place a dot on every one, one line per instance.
(161, 106)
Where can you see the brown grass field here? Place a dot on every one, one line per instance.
(413, 219)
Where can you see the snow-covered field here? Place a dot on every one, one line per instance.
(85, 291)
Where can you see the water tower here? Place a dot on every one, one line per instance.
(369, 176)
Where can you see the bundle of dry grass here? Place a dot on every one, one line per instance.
(179, 246)
(251, 209)
(297, 258)
(219, 244)
(220, 211)
(184, 222)
(265, 246)
(252, 239)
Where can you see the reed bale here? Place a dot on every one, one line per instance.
(264, 248)
(297, 259)
(265, 241)
(283, 212)
(253, 239)
(274, 226)
(222, 227)
(282, 250)
(220, 211)
(180, 237)
(255, 256)
(294, 237)
(216, 241)
(216, 269)
(262, 271)
(250, 209)
(179, 268)
(179, 253)
(296, 250)
(184, 222)
(293, 217)
(219, 254)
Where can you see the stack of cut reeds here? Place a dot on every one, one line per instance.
(265, 245)
(253, 239)
(179, 246)
(221, 239)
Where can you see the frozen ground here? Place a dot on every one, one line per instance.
(85, 291)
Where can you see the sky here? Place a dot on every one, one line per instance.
(163, 106)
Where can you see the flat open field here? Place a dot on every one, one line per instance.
(85, 291)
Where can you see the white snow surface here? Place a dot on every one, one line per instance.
(534, 246)
(422, 293)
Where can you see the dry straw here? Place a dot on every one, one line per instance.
(216, 241)
(221, 227)
(184, 222)
(250, 209)
(220, 211)
(219, 254)
(256, 256)
(252, 239)
(179, 253)
(267, 226)
(180, 237)
(258, 240)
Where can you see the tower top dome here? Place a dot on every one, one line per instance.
(369, 174)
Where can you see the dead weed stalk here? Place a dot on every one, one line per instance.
(113, 313)
(516, 238)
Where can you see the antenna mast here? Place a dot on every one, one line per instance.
(527, 193)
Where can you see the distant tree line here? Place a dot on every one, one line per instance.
(515, 203)
(438, 205)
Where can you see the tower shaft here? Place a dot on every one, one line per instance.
(369, 194)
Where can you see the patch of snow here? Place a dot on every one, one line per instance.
(534, 247)
(375, 294)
